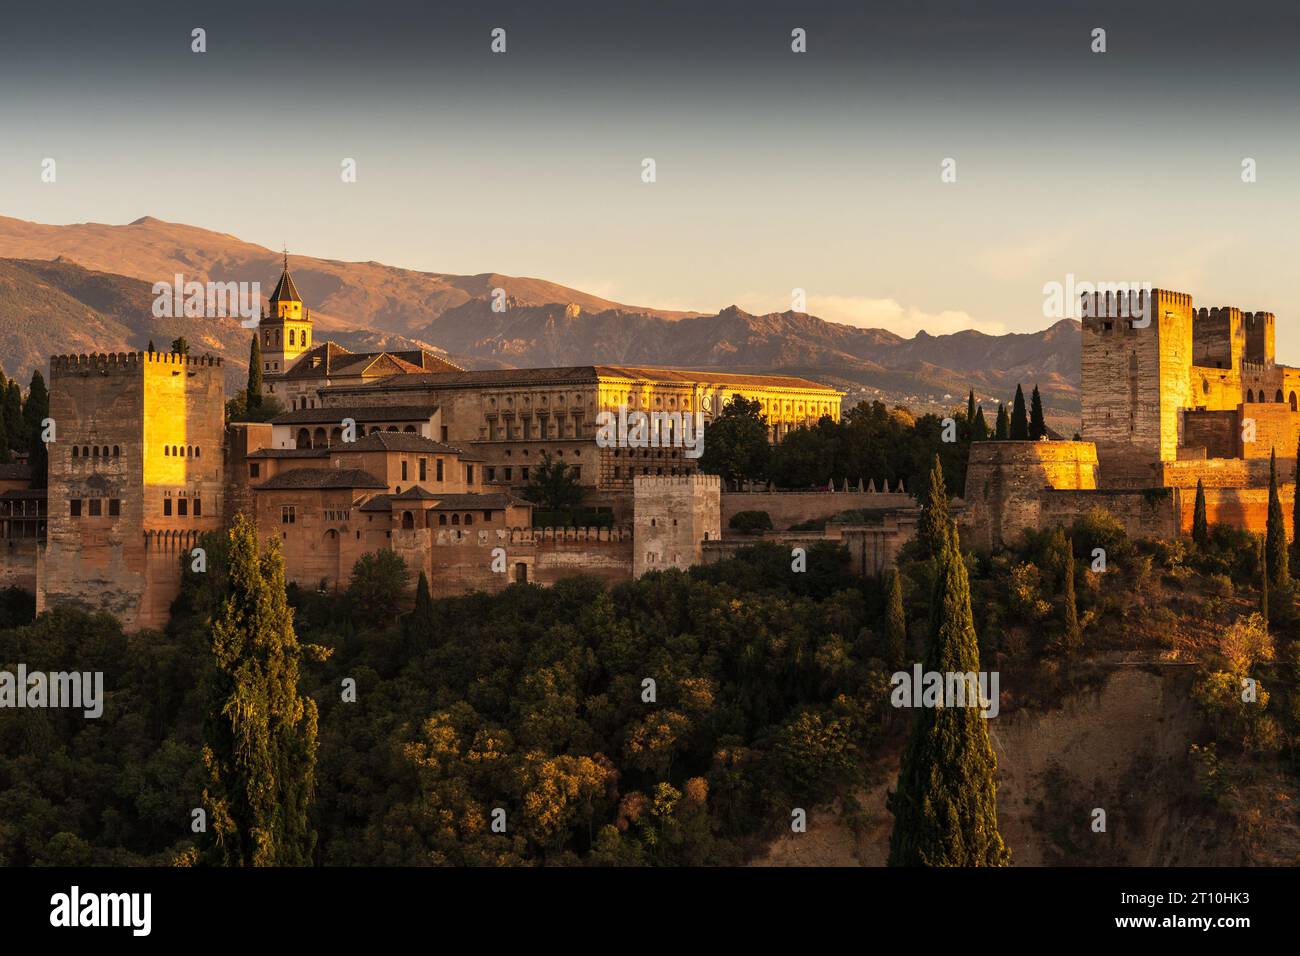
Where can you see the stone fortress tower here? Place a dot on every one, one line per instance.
(673, 517)
(135, 477)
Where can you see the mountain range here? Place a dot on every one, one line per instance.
(88, 287)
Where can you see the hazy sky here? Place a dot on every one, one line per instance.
(775, 170)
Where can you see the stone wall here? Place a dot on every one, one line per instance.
(1004, 481)
(673, 516)
(1217, 432)
(788, 508)
(1145, 513)
(18, 563)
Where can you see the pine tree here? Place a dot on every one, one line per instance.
(1072, 636)
(933, 525)
(260, 749)
(895, 621)
(1276, 545)
(1200, 525)
(1037, 424)
(253, 394)
(35, 410)
(945, 804)
(1003, 427)
(981, 426)
(1019, 420)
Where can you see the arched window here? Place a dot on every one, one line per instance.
(1250, 396)
(96, 451)
(1293, 407)
(469, 519)
(167, 451)
(318, 439)
(455, 519)
(197, 452)
(1278, 398)
(117, 451)
(408, 521)
(76, 452)
(304, 438)
(409, 428)
(442, 519)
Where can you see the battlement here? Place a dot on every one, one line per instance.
(661, 482)
(127, 361)
(1109, 304)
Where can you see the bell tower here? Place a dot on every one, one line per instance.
(285, 327)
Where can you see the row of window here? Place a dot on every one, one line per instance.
(183, 507)
(94, 507)
(272, 337)
(182, 451)
(508, 473)
(631, 471)
(93, 451)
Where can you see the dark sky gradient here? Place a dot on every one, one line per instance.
(818, 171)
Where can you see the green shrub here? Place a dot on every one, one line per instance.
(750, 522)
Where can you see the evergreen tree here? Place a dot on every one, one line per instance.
(1037, 424)
(933, 526)
(895, 621)
(6, 456)
(35, 410)
(1072, 637)
(1200, 526)
(945, 806)
(1019, 419)
(1276, 545)
(981, 432)
(13, 416)
(1261, 554)
(1002, 430)
(180, 346)
(253, 394)
(151, 348)
(260, 749)
(970, 407)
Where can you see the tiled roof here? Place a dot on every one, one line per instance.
(285, 290)
(378, 503)
(404, 441)
(476, 502)
(24, 493)
(330, 359)
(289, 453)
(415, 493)
(584, 375)
(362, 414)
(322, 478)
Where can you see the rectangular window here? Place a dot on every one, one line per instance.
(254, 469)
(509, 474)
(524, 473)
(182, 507)
(469, 474)
(424, 467)
(487, 516)
(489, 473)
(403, 469)
(438, 472)
(288, 514)
(198, 507)
(444, 432)
(74, 507)
(577, 472)
(114, 507)
(167, 507)
(96, 507)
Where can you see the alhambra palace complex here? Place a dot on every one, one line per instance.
(144, 463)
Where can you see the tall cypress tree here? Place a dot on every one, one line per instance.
(253, 394)
(1200, 524)
(1261, 555)
(970, 407)
(260, 749)
(933, 525)
(1003, 427)
(981, 431)
(35, 410)
(13, 416)
(1276, 544)
(895, 620)
(1037, 424)
(1019, 419)
(945, 804)
(1072, 635)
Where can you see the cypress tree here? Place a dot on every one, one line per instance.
(1073, 636)
(981, 426)
(13, 416)
(1003, 426)
(945, 806)
(933, 525)
(1261, 554)
(1200, 525)
(253, 394)
(970, 407)
(1276, 544)
(35, 411)
(421, 620)
(895, 621)
(151, 348)
(1037, 424)
(1019, 420)
(260, 738)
